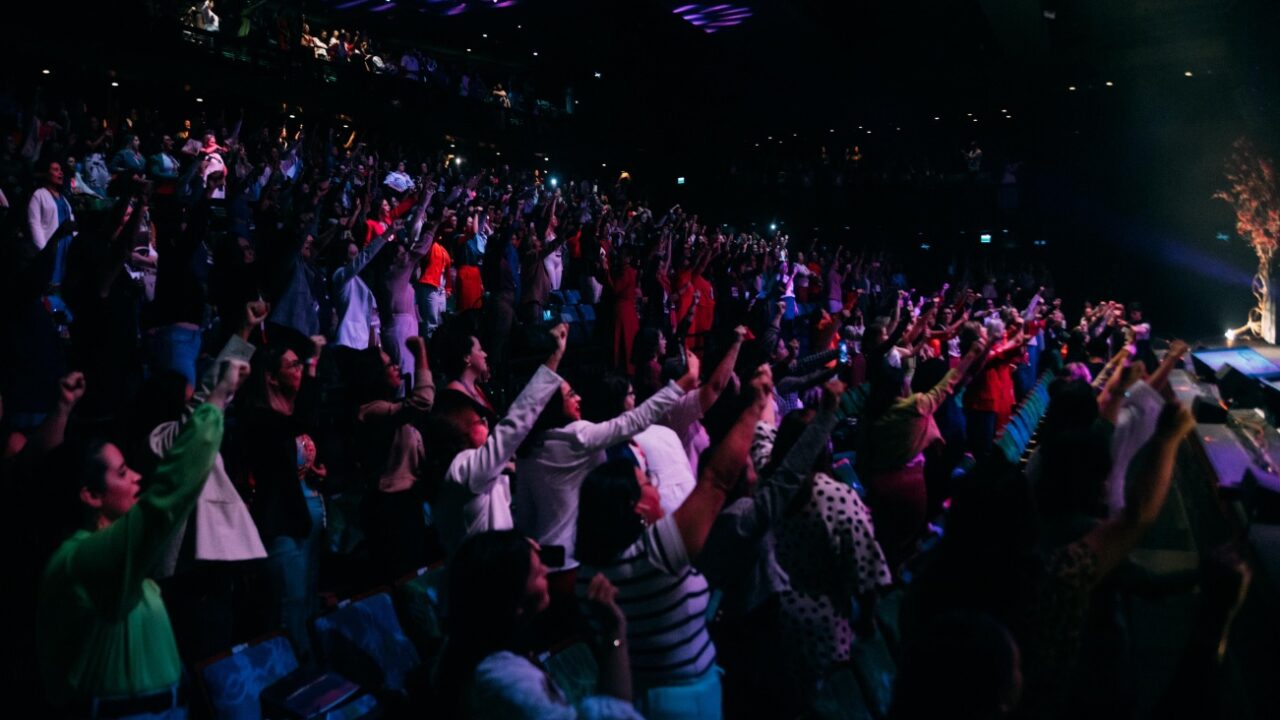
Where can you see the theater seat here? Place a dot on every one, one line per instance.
(234, 680)
(363, 640)
(421, 602)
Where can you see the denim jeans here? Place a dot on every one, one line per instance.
(431, 306)
(699, 698)
(293, 565)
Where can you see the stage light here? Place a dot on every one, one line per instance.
(935, 117)
(868, 132)
(457, 161)
(1072, 88)
(1005, 111)
(468, 49)
(554, 182)
(1187, 73)
(484, 35)
(925, 246)
(535, 53)
(757, 144)
(1110, 84)
(603, 165)
(773, 226)
(769, 138)
(970, 114)
(680, 180)
(115, 84)
(984, 238)
(199, 100)
(292, 116)
(832, 130)
(598, 75)
(44, 72)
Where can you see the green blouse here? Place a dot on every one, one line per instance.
(102, 627)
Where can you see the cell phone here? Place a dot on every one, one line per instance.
(546, 317)
(552, 555)
(844, 352)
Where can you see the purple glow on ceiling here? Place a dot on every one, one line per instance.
(711, 18)
(436, 7)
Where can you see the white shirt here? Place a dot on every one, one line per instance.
(476, 495)
(42, 216)
(667, 463)
(1134, 427)
(685, 418)
(357, 307)
(551, 476)
(509, 687)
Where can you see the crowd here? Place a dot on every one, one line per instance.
(354, 49)
(717, 472)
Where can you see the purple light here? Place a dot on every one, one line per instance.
(383, 6)
(457, 9)
(712, 17)
(352, 4)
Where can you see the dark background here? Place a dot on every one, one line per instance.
(1116, 181)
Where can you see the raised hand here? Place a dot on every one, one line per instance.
(693, 368)
(416, 345)
(1175, 422)
(832, 391)
(741, 333)
(255, 312)
(71, 388)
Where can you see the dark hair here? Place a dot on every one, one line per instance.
(551, 417)
(790, 429)
(75, 465)
(645, 347)
(162, 398)
(451, 345)
(607, 519)
(485, 585)
(964, 666)
(1074, 470)
(607, 398)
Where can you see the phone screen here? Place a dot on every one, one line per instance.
(546, 316)
(844, 352)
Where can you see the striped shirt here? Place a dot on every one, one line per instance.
(665, 601)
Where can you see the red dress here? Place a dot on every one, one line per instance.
(626, 321)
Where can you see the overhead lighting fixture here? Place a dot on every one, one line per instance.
(44, 72)
(868, 132)
(935, 117)
(484, 35)
(468, 49)
(535, 53)
(1110, 84)
(1187, 73)
(970, 114)
(115, 84)
(199, 100)
(292, 116)
(1071, 88)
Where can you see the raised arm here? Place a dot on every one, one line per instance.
(1112, 540)
(53, 430)
(114, 561)
(1159, 380)
(344, 274)
(715, 385)
(478, 468)
(591, 437)
(695, 517)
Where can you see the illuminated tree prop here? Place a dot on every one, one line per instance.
(1253, 194)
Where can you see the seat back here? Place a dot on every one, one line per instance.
(233, 681)
(363, 640)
